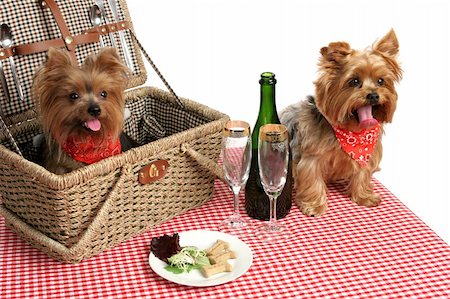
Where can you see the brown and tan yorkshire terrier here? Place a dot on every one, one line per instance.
(336, 135)
(81, 109)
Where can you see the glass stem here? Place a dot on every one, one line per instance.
(236, 191)
(273, 213)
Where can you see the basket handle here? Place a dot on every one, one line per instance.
(203, 161)
(179, 102)
(69, 253)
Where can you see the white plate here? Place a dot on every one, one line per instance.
(204, 239)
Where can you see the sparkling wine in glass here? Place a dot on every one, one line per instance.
(273, 159)
(236, 157)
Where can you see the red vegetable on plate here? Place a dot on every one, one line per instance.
(165, 246)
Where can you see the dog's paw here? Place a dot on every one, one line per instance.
(372, 200)
(313, 211)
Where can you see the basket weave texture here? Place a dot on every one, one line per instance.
(77, 215)
(74, 216)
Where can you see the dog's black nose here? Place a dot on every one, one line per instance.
(373, 98)
(94, 110)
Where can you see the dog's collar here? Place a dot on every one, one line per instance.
(90, 151)
(358, 145)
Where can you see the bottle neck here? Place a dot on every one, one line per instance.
(267, 107)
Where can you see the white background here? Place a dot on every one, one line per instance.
(213, 51)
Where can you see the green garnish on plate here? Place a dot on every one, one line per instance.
(189, 258)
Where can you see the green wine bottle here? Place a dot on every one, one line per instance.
(256, 200)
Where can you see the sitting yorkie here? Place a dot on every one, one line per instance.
(336, 135)
(81, 109)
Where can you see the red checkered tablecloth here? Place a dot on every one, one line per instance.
(351, 251)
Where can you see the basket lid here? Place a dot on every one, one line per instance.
(31, 22)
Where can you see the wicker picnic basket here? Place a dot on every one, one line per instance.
(74, 216)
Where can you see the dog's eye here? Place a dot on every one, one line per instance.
(74, 96)
(354, 82)
(380, 82)
(103, 94)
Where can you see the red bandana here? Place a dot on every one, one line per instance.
(358, 145)
(89, 151)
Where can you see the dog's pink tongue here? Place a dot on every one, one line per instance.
(365, 116)
(93, 124)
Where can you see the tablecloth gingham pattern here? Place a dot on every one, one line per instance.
(351, 251)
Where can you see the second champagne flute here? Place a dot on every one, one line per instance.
(236, 157)
(273, 159)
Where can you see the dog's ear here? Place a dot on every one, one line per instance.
(388, 48)
(336, 52)
(388, 45)
(107, 60)
(57, 57)
(105, 56)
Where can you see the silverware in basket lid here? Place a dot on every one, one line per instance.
(101, 5)
(123, 42)
(7, 42)
(3, 81)
(95, 15)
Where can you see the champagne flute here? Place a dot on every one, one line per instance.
(273, 159)
(236, 157)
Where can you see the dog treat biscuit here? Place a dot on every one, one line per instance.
(218, 247)
(221, 257)
(210, 270)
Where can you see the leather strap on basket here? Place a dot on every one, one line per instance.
(56, 43)
(177, 99)
(87, 37)
(67, 37)
(109, 28)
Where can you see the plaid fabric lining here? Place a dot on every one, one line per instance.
(152, 128)
(24, 140)
(173, 118)
(152, 119)
(30, 23)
